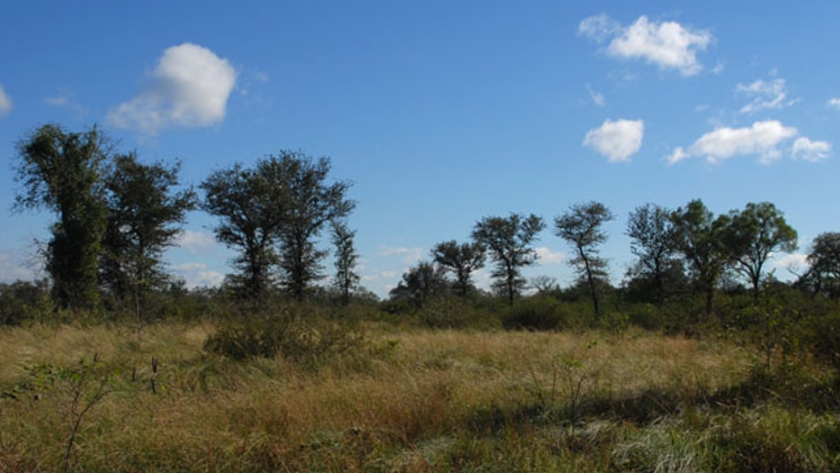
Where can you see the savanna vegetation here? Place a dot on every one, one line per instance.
(698, 360)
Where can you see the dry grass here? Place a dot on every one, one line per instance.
(426, 401)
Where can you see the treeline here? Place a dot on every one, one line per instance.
(115, 215)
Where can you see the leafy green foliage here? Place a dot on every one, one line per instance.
(750, 236)
(273, 215)
(144, 217)
(346, 278)
(509, 241)
(581, 227)
(420, 284)
(62, 172)
(461, 260)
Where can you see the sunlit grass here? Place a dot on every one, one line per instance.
(424, 401)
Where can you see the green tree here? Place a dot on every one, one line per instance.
(509, 241)
(251, 205)
(420, 284)
(581, 227)
(461, 260)
(62, 172)
(752, 236)
(145, 213)
(699, 240)
(654, 242)
(311, 204)
(824, 265)
(345, 255)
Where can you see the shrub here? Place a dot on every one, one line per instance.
(452, 313)
(307, 340)
(537, 313)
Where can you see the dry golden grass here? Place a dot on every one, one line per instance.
(421, 405)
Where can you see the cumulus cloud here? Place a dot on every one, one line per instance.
(762, 139)
(765, 95)
(189, 87)
(835, 102)
(5, 102)
(195, 241)
(813, 151)
(617, 140)
(666, 44)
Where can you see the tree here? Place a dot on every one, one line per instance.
(273, 214)
(654, 242)
(145, 214)
(420, 284)
(509, 242)
(251, 204)
(62, 172)
(311, 204)
(346, 278)
(752, 236)
(461, 260)
(824, 261)
(581, 227)
(699, 240)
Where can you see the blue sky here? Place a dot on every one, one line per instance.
(443, 113)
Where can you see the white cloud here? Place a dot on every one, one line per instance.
(547, 256)
(195, 241)
(808, 150)
(765, 95)
(597, 97)
(667, 44)
(599, 27)
(6, 104)
(189, 87)
(835, 102)
(411, 255)
(796, 263)
(762, 139)
(617, 140)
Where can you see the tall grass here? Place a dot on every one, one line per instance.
(441, 400)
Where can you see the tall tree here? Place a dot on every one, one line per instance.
(461, 260)
(753, 235)
(145, 213)
(346, 278)
(62, 172)
(509, 241)
(699, 240)
(581, 227)
(824, 260)
(274, 214)
(251, 204)
(654, 242)
(311, 204)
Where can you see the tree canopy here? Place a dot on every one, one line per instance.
(63, 172)
(581, 226)
(509, 241)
